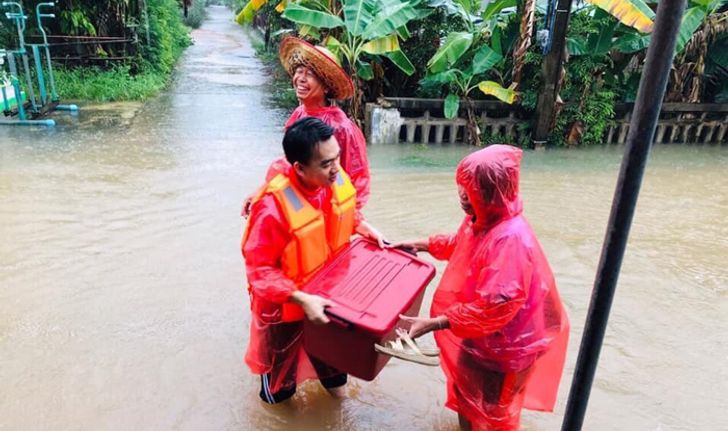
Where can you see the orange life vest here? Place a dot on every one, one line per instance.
(316, 236)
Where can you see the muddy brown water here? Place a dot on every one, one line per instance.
(122, 299)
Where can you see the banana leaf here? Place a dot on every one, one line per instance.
(600, 43)
(492, 88)
(364, 70)
(485, 58)
(447, 77)
(404, 33)
(495, 7)
(452, 105)
(380, 46)
(455, 46)
(309, 31)
(332, 44)
(246, 15)
(358, 15)
(389, 19)
(626, 12)
(495, 40)
(314, 18)
(451, 8)
(691, 21)
(401, 61)
(632, 42)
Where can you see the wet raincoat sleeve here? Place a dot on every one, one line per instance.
(263, 250)
(441, 246)
(500, 292)
(354, 159)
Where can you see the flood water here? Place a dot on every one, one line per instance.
(122, 292)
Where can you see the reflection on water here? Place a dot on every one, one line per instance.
(122, 299)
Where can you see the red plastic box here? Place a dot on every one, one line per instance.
(371, 288)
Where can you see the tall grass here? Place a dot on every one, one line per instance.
(116, 84)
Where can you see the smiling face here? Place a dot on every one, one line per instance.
(308, 87)
(323, 168)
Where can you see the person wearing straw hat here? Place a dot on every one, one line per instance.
(318, 80)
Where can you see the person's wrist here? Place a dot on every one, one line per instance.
(299, 297)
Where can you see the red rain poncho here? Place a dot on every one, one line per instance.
(508, 328)
(353, 149)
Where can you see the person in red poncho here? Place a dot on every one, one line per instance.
(317, 79)
(499, 321)
(298, 222)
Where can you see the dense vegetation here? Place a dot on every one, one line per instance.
(151, 36)
(462, 51)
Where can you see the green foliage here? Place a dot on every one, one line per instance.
(604, 68)
(151, 69)
(76, 22)
(475, 56)
(420, 47)
(7, 33)
(168, 36)
(108, 85)
(589, 101)
(196, 14)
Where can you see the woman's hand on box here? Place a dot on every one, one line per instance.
(420, 326)
(412, 246)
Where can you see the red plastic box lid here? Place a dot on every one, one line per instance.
(371, 286)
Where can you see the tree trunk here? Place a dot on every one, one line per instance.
(472, 130)
(524, 40)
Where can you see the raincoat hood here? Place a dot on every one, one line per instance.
(490, 178)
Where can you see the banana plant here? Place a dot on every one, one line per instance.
(358, 31)
(460, 64)
(460, 80)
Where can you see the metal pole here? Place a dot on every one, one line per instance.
(641, 133)
(20, 18)
(39, 16)
(551, 73)
(39, 74)
(16, 86)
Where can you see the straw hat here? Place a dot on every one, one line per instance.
(295, 52)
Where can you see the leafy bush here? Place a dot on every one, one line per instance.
(168, 36)
(196, 14)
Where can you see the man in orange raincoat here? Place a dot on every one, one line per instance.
(501, 327)
(298, 221)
